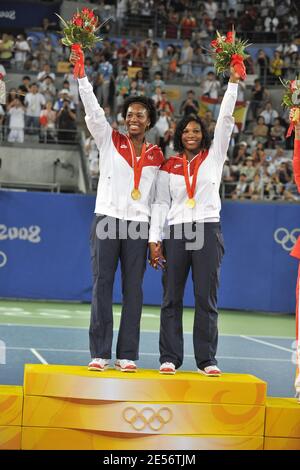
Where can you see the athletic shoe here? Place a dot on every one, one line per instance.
(98, 364)
(210, 371)
(125, 365)
(167, 368)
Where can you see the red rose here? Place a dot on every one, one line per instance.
(85, 11)
(219, 49)
(78, 22)
(91, 14)
(214, 43)
(293, 85)
(229, 36)
(89, 29)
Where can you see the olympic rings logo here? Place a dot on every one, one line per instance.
(3, 259)
(147, 416)
(285, 238)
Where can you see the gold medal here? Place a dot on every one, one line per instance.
(190, 203)
(136, 194)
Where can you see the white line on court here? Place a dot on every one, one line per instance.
(142, 331)
(37, 355)
(249, 338)
(190, 356)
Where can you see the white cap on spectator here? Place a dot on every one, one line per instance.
(243, 143)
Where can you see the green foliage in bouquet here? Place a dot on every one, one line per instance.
(227, 47)
(81, 29)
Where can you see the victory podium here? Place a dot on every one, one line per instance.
(69, 407)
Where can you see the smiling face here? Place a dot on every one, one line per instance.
(192, 136)
(137, 119)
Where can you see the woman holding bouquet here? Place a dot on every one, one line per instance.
(296, 253)
(128, 170)
(187, 198)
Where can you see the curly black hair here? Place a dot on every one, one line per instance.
(148, 103)
(206, 139)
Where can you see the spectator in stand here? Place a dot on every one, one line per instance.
(66, 123)
(266, 5)
(241, 190)
(231, 20)
(46, 72)
(11, 95)
(16, 112)
(185, 61)
(34, 102)
(271, 22)
(92, 154)
(211, 8)
(293, 65)
(259, 95)
(170, 62)
(165, 105)
(21, 49)
(277, 133)
(155, 56)
(276, 66)
(269, 114)
(24, 88)
(47, 122)
(256, 188)
(190, 105)
(48, 89)
(157, 82)
(210, 88)
(162, 125)
(6, 50)
(188, 24)
(141, 82)
(63, 95)
(261, 131)
(263, 63)
(172, 24)
(73, 86)
(248, 168)
(239, 154)
(122, 87)
(105, 76)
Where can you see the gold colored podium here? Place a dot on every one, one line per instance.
(67, 407)
(282, 429)
(11, 406)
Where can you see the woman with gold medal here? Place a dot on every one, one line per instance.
(128, 171)
(185, 233)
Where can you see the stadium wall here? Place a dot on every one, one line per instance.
(44, 252)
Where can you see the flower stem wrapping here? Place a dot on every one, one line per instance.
(230, 52)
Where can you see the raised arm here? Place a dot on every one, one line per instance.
(94, 115)
(225, 122)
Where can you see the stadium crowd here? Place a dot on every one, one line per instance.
(46, 104)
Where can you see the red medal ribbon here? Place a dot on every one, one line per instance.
(79, 66)
(190, 188)
(137, 165)
(237, 63)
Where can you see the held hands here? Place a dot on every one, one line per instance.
(77, 60)
(156, 258)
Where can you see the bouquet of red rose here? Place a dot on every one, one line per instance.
(291, 100)
(79, 33)
(230, 52)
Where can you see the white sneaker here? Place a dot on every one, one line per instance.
(167, 368)
(210, 371)
(98, 364)
(125, 365)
